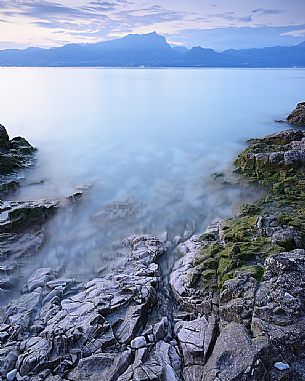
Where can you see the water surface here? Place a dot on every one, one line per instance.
(147, 139)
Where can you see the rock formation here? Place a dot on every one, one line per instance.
(233, 308)
(298, 115)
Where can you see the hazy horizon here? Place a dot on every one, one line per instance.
(171, 44)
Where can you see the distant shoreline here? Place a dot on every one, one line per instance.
(157, 67)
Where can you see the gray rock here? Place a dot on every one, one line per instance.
(11, 375)
(138, 342)
(281, 366)
(195, 338)
(234, 354)
(298, 115)
(108, 366)
(4, 139)
(160, 329)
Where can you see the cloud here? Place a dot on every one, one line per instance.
(261, 11)
(295, 33)
(96, 19)
(240, 37)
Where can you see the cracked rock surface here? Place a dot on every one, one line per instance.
(232, 308)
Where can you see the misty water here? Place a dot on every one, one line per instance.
(143, 141)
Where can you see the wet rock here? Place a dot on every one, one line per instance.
(8, 186)
(298, 115)
(25, 215)
(40, 278)
(236, 311)
(4, 138)
(14, 154)
(86, 327)
(117, 212)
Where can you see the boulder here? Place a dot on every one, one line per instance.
(4, 138)
(297, 116)
(14, 154)
(234, 356)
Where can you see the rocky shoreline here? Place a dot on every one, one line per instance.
(232, 309)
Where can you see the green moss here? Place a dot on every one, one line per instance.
(28, 216)
(255, 270)
(250, 209)
(239, 229)
(207, 237)
(244, 249)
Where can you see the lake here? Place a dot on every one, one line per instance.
(145, 143)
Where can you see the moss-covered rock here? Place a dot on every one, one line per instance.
(249, 270)
(273, 224)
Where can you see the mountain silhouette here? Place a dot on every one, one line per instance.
(152, 50)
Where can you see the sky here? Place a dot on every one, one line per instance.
(217, 24)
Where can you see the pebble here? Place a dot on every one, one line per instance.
(138, 342)
(11, 375)
(281, 366)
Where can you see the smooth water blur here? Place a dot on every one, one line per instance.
(150, 138)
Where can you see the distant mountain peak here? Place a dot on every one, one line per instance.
(152, 49)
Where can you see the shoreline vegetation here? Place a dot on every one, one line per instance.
(232, 308)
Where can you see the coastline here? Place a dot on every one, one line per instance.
(234, 309)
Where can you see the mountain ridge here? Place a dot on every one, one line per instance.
(152, 50)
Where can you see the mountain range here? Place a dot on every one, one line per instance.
(152, 50)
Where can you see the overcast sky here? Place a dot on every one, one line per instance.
(219, 24)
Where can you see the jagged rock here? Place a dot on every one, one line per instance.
(8, 186)
(25, 215)
(11, 375)
(4, 138)
(298, 115)
(117, 212)
(160, 329)
(237, 300)
(85, 330)
(138, 342)
(195, 338)
(14, 154)
(234, 356)
(238, 291)
(105, 366)
(279, 309)
(39, 279)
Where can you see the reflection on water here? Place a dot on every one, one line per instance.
(144, 142)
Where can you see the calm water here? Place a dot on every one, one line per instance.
(149, 139)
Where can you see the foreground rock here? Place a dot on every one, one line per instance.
(244, 278)
(235, 311)
(14, 154)
(297, 116)
(22, 231)
(22, 234)
(97, 330)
